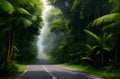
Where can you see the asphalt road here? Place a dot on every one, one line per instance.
(44, 70)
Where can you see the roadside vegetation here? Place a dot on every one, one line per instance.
(85, 33)
(19, 68)
(20, 24)
(104, 72)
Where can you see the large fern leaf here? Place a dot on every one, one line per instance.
(19, 2)
(22, 10)
(105, 19)
(25, 21)
(6, 6)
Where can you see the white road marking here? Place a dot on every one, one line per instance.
(23, 73)
(49, 72)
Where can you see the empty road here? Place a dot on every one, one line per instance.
(44, 70)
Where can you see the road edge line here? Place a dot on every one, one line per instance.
(23, 72)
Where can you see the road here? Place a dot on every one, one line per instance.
(44, 70)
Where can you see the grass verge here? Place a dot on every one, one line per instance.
(88, 69)
(20, 69)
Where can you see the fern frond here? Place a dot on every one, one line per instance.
(88, 46)
(34, 17)
(105, 19)
(15, 48)
(107, 49)
(87, 58)
(109, 26)
(6, 6)
(26, 22)
(23, 21)
(22, 10)
(91, 48)
(109, 36)
(19, 2)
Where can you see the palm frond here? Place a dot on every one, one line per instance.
(93, 35)
(19, 2)
(107, 49)
(109, 36)
(98, 52)
(23, 21)
(109, 26)
(106, 36)
(7, 6)
(15, 48)
(87, 58)
(22, 10)
(26, 22)
(91, 47)
(34, 17)
(23, 2)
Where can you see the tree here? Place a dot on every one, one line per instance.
(111, 21)
(15, 16)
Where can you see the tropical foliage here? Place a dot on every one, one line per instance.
(20, 22)
(91, 32)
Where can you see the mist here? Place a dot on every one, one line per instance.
(45, 26)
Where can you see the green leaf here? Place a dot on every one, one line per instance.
(23, 21)
(15, 48)
(109, 36)
(93, 35)
(22, 10)
(87, 58)
(98, 52)
(106, 49)
(105, 19)
(6, 6)
(88, 46)
(20, 2)
(26, 22)
(94, 47)
(109, 26)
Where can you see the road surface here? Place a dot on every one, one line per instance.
(44, 70)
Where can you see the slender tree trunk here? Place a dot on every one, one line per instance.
(102, 60)
(10, 45)
(117, 53)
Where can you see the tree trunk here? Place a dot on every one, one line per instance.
(10, 44)
(102, 60)
(117, 53)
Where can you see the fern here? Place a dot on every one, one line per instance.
(22, 10)
(105, 19)
(7, 6)
(26, 21)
